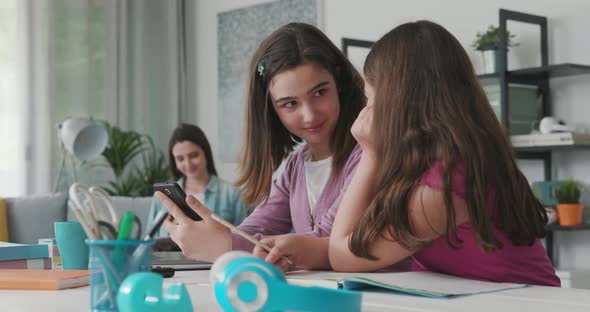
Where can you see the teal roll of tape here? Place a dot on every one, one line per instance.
(143, 292)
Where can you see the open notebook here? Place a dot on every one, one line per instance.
(428, 284)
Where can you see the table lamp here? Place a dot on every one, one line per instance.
(82, 138)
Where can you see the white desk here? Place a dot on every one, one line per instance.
(529, 299)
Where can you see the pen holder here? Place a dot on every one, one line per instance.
(111, 261)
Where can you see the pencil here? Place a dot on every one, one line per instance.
(245, 235)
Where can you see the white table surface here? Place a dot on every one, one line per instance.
(528, 299)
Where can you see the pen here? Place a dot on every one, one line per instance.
(245, 235)
(142, 248)
(126, 226)
(125, 229)
(159, 219)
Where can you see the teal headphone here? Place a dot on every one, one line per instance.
(242, 282)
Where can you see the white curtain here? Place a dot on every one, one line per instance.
(13, 108)
(152, 66)
(123, 61)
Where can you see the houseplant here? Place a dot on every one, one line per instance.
(569, 207)
(135, 161)
(488, 43)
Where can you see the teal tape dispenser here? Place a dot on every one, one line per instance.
(143, 292)
(242, 282)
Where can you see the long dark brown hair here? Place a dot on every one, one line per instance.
(194, 134)
(267, 141)
(429, 106)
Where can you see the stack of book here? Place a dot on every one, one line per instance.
(53, 252)
(43, 279)
(550, 139)
(19, 256)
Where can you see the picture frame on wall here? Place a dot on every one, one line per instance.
(356, 50)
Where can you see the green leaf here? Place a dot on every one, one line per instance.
(568, 192)
(154, 168)
(123, 147)
(135, 160)
(490, 40)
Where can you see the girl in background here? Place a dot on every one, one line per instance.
(301, 89)
(437, 179)
(192, 167)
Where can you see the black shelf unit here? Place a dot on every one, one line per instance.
(538, 77)
(540, 149)
(557, 227)
(551, 71)
(530, 75)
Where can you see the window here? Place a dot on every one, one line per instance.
(12, 103)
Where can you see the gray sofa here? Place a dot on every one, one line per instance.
(32, 217)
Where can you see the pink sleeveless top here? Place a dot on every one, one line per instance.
(511, 264)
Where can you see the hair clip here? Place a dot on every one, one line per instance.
(260, 69)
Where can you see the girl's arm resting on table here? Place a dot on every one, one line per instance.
(427, 214)
(315, 255)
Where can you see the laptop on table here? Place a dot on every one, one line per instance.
(177, 261)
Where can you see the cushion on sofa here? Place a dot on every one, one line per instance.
(32, 217)
(3, 221)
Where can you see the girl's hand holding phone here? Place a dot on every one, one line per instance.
(201, 240)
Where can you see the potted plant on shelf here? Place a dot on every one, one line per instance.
(569, 208)
(488, 43)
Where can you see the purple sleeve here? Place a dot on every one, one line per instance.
(272, 218)
(324, 226)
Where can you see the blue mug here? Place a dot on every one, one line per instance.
(73, 250)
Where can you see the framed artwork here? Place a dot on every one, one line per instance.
(356, 50)
(239, 32)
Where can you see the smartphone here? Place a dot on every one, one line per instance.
(177, 195)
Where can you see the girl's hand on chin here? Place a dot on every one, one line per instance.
(362, 128)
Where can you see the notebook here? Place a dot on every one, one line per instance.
(43, 279)
(427, 284)
(35, 263)
(177, 261)
(10, 251)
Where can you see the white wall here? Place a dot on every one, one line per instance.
(206, 41)
(369, 19)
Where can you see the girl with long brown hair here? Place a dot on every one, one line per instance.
(192, 166)
(437, 179)
(301, 89)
